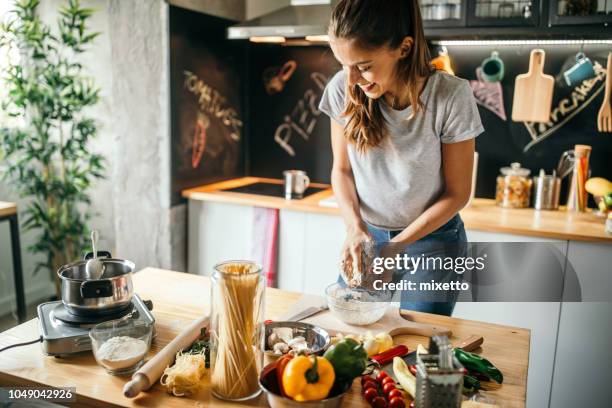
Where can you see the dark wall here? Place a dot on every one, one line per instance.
(207, 91)
(234, 116)
(286, 130)
(502, 142)
(507, 141)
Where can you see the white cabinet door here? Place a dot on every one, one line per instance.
(291, 253)
(584, 348)
(541, 318)
(217, 232)
(325, 235)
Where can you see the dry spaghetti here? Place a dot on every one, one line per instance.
(236, 333)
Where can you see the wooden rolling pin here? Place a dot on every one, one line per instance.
(149, 373)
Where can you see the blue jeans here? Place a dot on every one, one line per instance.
(453, 232)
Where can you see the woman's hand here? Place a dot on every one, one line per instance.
(351, 265)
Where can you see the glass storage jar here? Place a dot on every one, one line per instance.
(236, 327)
(513, 187)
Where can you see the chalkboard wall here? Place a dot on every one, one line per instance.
(503, 141)
(251, 109)
(207, 76)
(286, 130)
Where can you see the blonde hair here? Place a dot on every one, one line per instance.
(372, 25)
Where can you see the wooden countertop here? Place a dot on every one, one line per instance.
(7, 209)
(482, 214)
(179, 298)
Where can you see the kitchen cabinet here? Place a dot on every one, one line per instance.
(574, 12)
(442, 13)
(216, 232)
(585, 332)
(501, 19)
(541, 318)
(508, 13)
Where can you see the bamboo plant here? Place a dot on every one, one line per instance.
(46, 156)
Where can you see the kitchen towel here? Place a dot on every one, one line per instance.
(264, 242)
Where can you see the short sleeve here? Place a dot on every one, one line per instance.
(462, 120)
(333, 99)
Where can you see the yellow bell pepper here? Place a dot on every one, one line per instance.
(308, 378)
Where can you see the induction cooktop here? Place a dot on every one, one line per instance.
(270, 189)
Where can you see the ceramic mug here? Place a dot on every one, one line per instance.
(492, 68)
(581, 70)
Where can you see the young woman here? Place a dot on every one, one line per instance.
(402, 134)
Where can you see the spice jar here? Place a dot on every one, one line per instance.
(236, 328)
(513, 187)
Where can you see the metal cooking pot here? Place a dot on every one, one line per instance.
(97, 297)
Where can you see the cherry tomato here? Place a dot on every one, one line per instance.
(388, 380)
(412, 404)
(395, 393)
(387, 388)
(369, 394)
(369, 384)
(379, 402)
(381, 376)
(365, 378)
(397, 402)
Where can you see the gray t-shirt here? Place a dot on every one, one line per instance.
(399, 179)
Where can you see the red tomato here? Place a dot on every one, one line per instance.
(387, 380)
(387, 388)
(412, 404)
(369, 384)
(397, 402)
(369, 394)
(381, 375)
(365, 378)
(395, 393)
(379, 402)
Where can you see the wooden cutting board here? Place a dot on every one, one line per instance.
(395, 322)
(533, 92)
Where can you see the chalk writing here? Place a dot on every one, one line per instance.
(489, 95)
(582, 95)
(199, 139)
(212, 102)
(303, 117)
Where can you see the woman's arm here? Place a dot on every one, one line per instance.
(457, 163)
(343, 184)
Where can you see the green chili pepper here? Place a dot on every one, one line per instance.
(474, 362)
(348, 358)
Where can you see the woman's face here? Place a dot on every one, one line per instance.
(373, 70)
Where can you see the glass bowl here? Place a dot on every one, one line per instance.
(356, 306)
(120, 346)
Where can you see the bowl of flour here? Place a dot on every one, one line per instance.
(120, 346)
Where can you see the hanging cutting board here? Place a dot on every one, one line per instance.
(395, 322)
(533, 92)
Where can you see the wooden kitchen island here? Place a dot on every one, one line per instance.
(179, 298)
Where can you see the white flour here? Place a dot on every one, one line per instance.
(121, 352)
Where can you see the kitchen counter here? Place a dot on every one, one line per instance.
(482, 214)
(179, 298)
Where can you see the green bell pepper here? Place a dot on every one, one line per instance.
(475, 363)
(348, 358)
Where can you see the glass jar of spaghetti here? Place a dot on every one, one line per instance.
(236, 329)
(513, 187)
